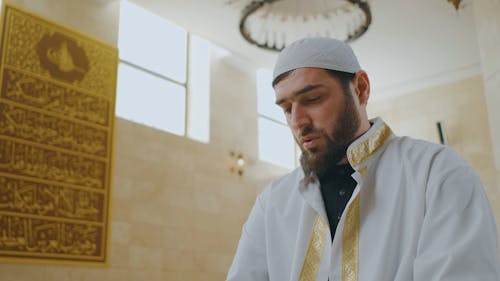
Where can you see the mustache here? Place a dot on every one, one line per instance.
(308, 130)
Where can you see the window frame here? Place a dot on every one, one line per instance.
(187, 131)
(296, 149)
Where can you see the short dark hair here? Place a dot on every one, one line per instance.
(344, 77)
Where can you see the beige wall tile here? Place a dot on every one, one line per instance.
(207, 200)
(487, 20)
(119, 255)
(147, 235)
(179, 260)
(142, 258)
(19, 272)
(177, 238)
(194, 275)
(207, 241)
(120, 232)
(492, 89)
(150, 274)
(121, 209)
(79, 273)
(213, 261)
(117, 274)
(147, 213)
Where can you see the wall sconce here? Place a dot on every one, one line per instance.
(237, 163)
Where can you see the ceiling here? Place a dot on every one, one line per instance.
(410, 45)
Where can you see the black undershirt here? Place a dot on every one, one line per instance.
(336, 188)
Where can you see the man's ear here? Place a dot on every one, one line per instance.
(362, 87)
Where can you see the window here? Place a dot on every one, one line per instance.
(157, 86)
(276, 144)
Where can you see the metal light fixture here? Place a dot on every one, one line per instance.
(455, 3)
(273, 24)
(237, 163)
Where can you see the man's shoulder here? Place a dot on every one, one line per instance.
(287, 181)
(285, 185)
(409, 146)
(422, 151)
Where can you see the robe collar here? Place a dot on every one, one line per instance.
(364, 147)
(361, 149)
(358, 152)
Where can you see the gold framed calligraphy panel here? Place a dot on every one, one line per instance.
(57, 100)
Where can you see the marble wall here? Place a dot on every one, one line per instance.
(487, 19)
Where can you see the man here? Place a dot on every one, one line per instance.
(365, 205)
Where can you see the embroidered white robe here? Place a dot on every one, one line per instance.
(418, 212)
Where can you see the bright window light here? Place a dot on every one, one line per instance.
(151, 42)
(199, 89)
(156, 86)
(266, 99)
(149, 100)
(276, 144)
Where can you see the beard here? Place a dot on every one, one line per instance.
(343, 134)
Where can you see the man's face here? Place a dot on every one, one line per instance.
(324, 120)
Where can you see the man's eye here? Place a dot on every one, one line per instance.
(312, 99)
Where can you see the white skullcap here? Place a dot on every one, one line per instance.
(321, 52)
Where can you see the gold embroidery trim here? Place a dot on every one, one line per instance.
(312, 260)
(350, 242)
(365, 149)
(362, 171)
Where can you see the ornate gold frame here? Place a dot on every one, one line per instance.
(57, 112)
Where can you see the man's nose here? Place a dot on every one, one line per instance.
(299, 119)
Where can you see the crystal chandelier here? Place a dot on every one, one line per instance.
(273, 24)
